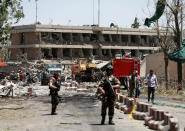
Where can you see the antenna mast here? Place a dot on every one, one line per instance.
(98, 12)
(36, 10)
(93, 12)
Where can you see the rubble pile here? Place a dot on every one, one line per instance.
(8, 88)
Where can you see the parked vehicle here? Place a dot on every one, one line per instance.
(123, 67)
(51, 68)
(84, 71)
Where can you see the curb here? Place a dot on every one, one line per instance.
(153, 118)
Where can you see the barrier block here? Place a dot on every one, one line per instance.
(174, 125)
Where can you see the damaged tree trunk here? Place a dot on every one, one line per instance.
(166, 61)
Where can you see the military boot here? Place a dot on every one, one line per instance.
(111, 121)
(103, 120)
(53, 112)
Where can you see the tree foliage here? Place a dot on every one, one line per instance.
(136, 23)
(11, 11)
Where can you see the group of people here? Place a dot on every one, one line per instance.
(107, 87)
(134, 83)
(28, 77)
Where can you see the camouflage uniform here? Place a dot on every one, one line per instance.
(54, 95)
(132, 83)
(109, 98)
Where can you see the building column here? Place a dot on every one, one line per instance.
(40, 54)
(110, 53)
(50, 36)
(129, 39)
(71, 37)
(39, 37)
(137, 53)
(70, 52)
(60, 53)
(50, 52)
(100, 53)
(139, 40)
(90, 52)
(110, 37)
(147, 39)
(61, 38)
(119, 38)
(81, 53)
(81, 37)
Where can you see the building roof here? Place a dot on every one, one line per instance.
(82, 29)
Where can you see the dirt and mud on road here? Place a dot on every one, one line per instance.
(76, 112)
(79, 110)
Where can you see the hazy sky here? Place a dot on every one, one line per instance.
(80, 12)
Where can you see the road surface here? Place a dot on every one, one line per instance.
(77, 112)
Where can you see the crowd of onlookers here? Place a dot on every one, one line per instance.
(28, 77)
(133, 83)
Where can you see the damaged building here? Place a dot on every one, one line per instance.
(68, 42)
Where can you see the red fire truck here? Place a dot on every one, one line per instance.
(123, 67)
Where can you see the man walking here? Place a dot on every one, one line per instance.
(138, 85)
(132, 84)
(152, 84)
(107, 87)
(54, 86)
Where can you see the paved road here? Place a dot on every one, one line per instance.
(77, 112)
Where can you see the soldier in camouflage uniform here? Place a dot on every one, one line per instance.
(107, 87)
(54, 86)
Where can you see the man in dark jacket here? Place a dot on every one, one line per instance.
(107, 87)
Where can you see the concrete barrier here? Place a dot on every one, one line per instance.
(150, 116)
(158, 119)
(30, 91)
(141, 111)
(118, 105)
(128, 105)
(155, 119)
(174, 124)
(122, 99)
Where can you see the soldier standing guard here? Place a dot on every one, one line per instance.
(54, 86)
(107, 87)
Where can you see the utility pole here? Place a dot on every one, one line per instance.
(98, 12)
(93, 12)
(36, 10)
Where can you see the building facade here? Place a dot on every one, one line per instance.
(68, 42)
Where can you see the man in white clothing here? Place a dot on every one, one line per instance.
(152, 84)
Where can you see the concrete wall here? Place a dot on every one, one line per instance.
(29, 38)
(16, 38)
(14, 53)
(32, 53)
(156, 62)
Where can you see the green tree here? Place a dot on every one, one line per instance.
(174, 10)
(11, 11)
